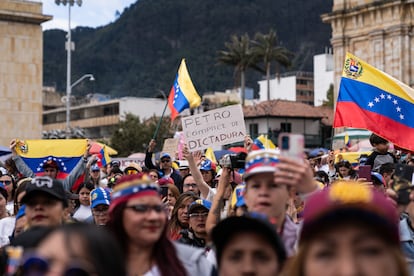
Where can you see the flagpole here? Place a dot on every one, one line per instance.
(159, 122)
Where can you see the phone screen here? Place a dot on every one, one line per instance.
(292, 145)
(365, 172)
(164, 191)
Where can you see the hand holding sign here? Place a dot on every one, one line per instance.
(216, 127)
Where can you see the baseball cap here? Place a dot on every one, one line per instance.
(95, 168)
(348, 201)
(165, 155)
(199, 203)
(46, 185)
(260, 161)
(115, 163)
(3, 190)
(183, 165)
(21, 212)
(51, 164)
(227, 229)
(165, 181)
(207, 165)
(378, 177)
(100, 196)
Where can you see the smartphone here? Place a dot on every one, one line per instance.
(292, 145)
(364, 171)
(163, 191)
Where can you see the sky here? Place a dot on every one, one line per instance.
(92, 13)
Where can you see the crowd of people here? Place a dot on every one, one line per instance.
(272, 215)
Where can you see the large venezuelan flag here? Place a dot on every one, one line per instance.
(183, 94)
(66, 153)
(369, 98)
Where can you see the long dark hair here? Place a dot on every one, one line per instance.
(163, 252)
(174, 225)
(87, 185)
(101, 247)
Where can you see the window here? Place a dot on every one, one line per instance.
(254, 130)
(285, 127)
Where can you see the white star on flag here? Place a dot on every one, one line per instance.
(370, 104)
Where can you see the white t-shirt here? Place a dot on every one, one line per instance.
(153, 272)
(10, 207)
(6, 229)
(83, 213)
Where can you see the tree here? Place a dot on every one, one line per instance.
(265, 48)
(330, 97)
(132, 135)
(239, 55)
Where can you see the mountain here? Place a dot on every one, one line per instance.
(139, 53)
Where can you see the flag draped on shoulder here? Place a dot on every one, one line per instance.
(371, 99)
(183, 95)
(65, 152)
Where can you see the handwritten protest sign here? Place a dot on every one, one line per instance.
(170, 146)
(216, 127)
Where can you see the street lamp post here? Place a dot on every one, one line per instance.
(66, 99)
(68, 68)
(90, 76)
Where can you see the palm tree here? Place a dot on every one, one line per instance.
(265, 48)
(239, 55)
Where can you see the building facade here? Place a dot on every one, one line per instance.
(98, 119)
(21, 69)
(276, 116)
(378, 31)
(323, 72)
(292, 86)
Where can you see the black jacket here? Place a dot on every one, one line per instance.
(178, 181)
(188, 237)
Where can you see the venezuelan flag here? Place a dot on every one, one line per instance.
(182, 94)
(65, 152)
(369, 98)
(210, 155)
(262, 142)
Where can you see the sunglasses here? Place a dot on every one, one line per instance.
(165, 160)
(98, 212)
(145, 208)
(129, 172)
(198, 215)
(35, 266)
(6, 182)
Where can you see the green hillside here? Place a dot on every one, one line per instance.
(140, 52)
